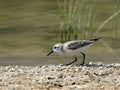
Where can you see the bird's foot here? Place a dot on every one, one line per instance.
(82, 64)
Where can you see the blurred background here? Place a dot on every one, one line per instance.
(29, 29)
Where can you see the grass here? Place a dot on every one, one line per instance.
(68, 19)
(108, 20)
(81, 19)
(80, 16)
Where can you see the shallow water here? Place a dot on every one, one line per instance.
(58, 59)
(27, 33)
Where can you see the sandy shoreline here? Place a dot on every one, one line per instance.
(94, 76)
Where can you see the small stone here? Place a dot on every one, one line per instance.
(60, 85)
(50, 78)
(92, 76)
(74, 86)
(90, 63)
(73, 83)
(61, 76)
(100, 64)
(117, 65)
(0, 79)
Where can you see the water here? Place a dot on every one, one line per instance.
(27, 32)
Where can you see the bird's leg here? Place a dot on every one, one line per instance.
(75, 59)
(83, 59)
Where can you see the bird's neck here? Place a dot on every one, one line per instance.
(62, 49)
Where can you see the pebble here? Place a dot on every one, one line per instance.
(60, 77)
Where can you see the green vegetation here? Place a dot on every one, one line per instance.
(90, 18)
(78, 18)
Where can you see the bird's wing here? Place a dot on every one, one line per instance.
(77, 44)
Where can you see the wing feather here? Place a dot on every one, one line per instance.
(78, 44)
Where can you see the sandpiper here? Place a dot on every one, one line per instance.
(73, 47)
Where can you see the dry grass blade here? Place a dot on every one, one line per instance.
(106, 21)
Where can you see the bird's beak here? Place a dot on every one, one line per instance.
(50, 53)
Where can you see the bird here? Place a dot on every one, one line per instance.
(73, 47)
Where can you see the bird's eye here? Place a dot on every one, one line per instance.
(55, 47)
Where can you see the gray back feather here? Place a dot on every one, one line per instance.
(78, 44)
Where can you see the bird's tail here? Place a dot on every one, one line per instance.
(95, 39)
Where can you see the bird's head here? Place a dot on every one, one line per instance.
(56, 48)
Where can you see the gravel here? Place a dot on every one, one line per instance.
(93, 76)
